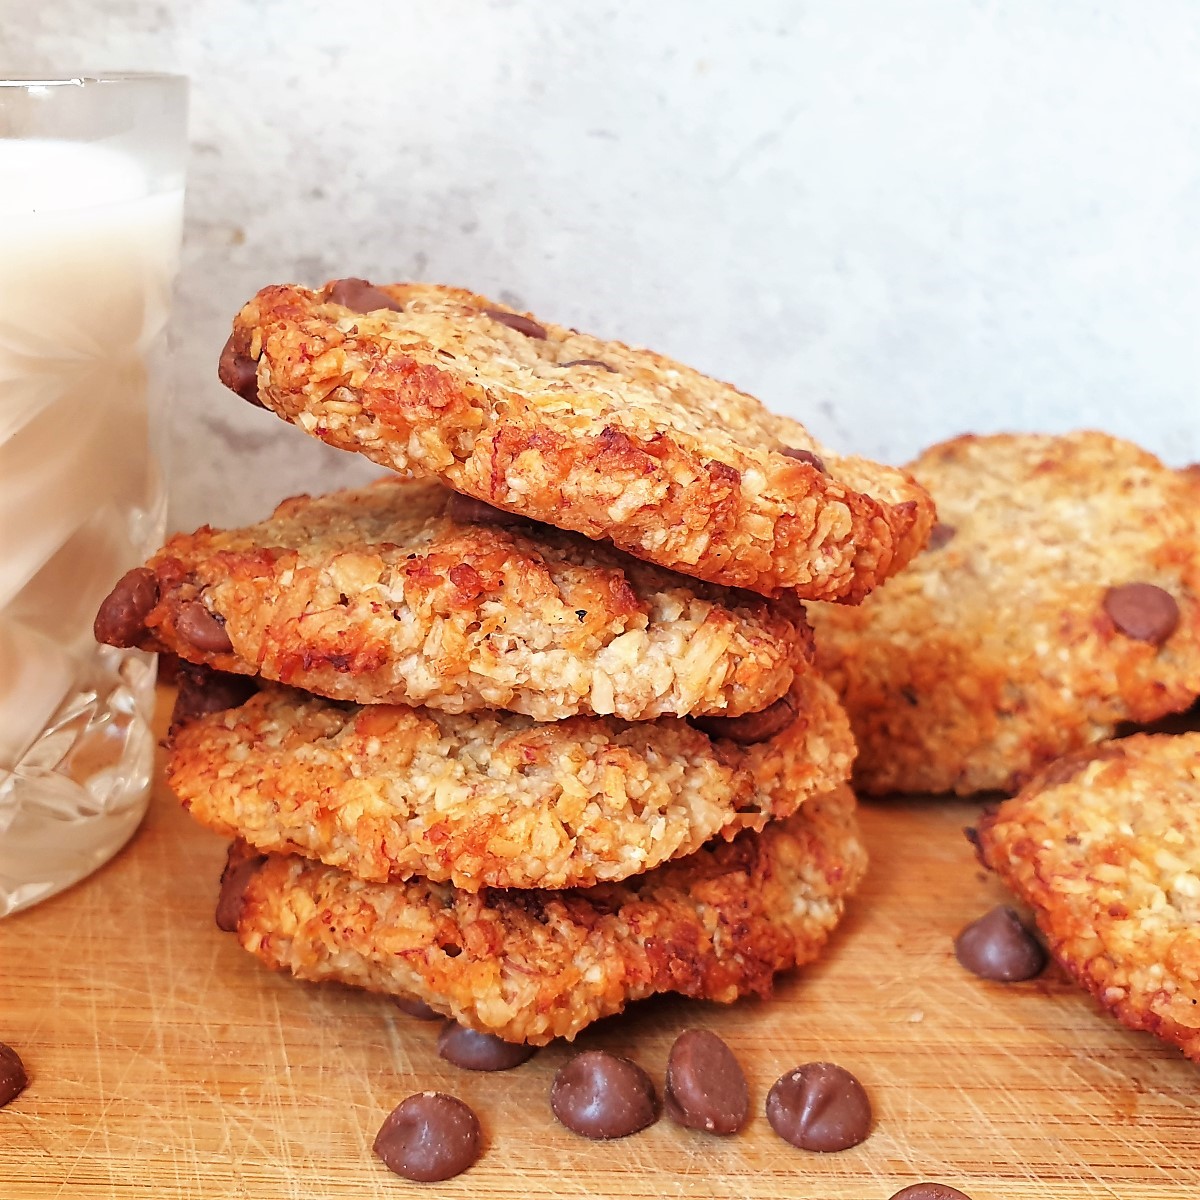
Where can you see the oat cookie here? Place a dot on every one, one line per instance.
(493, 799)
(1105, 847)
(533, 965)
(1058, 598)
(590, 435)
(404, 592)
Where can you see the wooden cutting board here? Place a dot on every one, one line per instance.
(166, 1063)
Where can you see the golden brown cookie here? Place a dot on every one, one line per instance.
(406, 593)
(590, 435)
(493, 799)
(535, 965)
(1105, 847)
(1058, 598)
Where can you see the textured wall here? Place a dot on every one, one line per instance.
(893, 220)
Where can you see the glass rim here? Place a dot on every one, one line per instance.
(85, 80)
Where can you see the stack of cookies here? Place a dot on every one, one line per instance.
(531, 728)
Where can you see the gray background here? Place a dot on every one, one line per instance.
(894, 220)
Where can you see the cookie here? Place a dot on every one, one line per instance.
(1105, 848)
(493, 799)
(613, 442)
(534, 965)
(406, 593)
(1059, 598)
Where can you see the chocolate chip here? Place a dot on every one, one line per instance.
(750, 728)
(168, 667)
(203, 691)
(429, 1137)
(475, 1051)
(201, 629)
(600, 1095)
(939, 535)
(1142, 611)
(930, 1191)
(242, 863)
(589, 362)
(121, 620)
(13, 1080)
(706, 1088)
(819, 1106)
(999, 947)
(805, 456)
(361, 296)
(470, 511)
(239, 373)
(416, 1008)
(525, 325)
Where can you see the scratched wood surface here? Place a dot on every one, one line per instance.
(167, 1064)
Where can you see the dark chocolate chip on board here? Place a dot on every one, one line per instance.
(416, 1008)
(476, 1051)
(706, 1088)
(999, 947)
(121, 619)
(819, 1106)
(429, 1137)
(930, 1191)
(600, 1095)
(13, 1079)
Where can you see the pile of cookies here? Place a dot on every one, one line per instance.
(531, 728)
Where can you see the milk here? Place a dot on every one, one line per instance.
(87, 260)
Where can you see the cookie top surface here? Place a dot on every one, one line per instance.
(533, 966)
(404, 592)
(493, 799)
(1105, 847)
(1059, 597)
(613, 442)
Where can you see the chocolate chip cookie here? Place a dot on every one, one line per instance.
(1059, 598)
(1105, 848)
(493, 799)
(407, 593)
(535, 965)
(590, 435)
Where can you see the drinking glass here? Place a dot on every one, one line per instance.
(91, 212)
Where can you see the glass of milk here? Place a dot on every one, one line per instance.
(91, 210)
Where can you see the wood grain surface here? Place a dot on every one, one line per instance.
(166, 1063)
